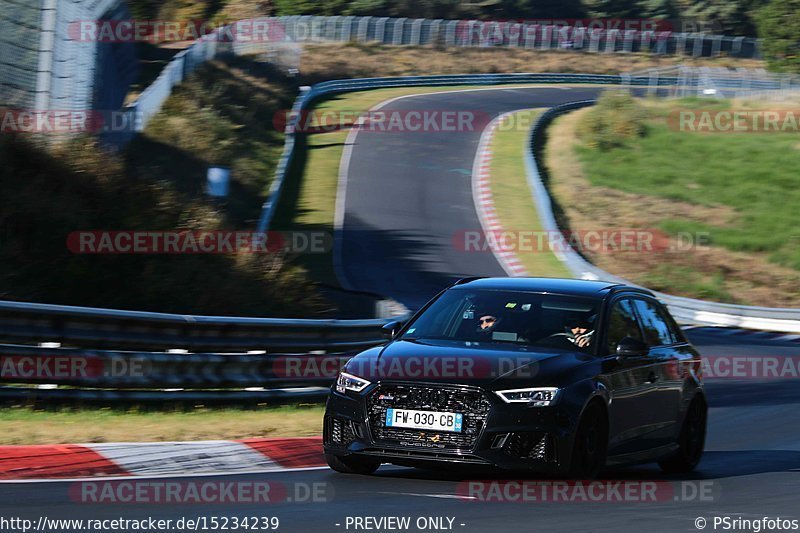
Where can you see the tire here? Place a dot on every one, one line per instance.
(691, 440)
(591, 444)
(352, 464)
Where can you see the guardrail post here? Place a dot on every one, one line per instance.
(515, 38)
(563, 38)
(380, 28)
(398, 29)
(652, 84)
(547, 35)
(470, 41)
(450, 33)
(305, 28)
(594, 39)
(363, 25)
(330, 27)
(578, 37)
(697, 45)
(627, 40)
(662, 42)
(435, 32)
(317, 28)
(416, 32)
(716, 45)
(736, 48)
(343, 30)
(647, 36)
(530, 35)
(611, 41)
(680, 44)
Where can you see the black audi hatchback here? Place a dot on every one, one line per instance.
(554, 376)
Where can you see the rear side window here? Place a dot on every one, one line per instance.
(622, 323)
(656, 324)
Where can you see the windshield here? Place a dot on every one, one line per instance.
(491, 316)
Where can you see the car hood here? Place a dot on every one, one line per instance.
(490, 365)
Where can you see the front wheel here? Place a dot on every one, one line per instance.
(692, 440)
(352, 464)
(591, 444)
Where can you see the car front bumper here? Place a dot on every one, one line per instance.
(502, 435)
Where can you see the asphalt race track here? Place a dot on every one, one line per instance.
(407, 195)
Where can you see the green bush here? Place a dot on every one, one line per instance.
(616, 119)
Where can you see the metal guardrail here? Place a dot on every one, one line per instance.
(167, 372)
(139, 357)
(685, 310)
(102, 328)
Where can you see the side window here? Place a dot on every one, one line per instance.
(622, 323)
(657, 331)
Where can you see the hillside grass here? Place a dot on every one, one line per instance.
(738, 191)
(219, 116)
(511, 194)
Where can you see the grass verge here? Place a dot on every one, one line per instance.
(24, 425)
(512, 195)
(737, 190)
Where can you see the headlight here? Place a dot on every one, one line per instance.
(536, 397)
(347, 382)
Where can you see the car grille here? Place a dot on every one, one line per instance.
(539, 446)
(339, 431)
(471, 403)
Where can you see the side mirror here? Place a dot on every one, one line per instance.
(390, 329)
(630, 347)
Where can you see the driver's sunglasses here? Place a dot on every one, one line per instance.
(487, 320)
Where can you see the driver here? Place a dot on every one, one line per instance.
(579, 332)
(486, 323)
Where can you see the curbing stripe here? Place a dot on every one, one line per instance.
(149, 459)
(143, 459)
(291, 453)
(55, 461)
(483, 198)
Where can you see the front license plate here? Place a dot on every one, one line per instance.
(409, 418)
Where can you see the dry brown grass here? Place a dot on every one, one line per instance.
(356, 60)
(24, 425)
(750, 277)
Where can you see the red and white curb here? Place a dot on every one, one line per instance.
(484, 201)
(159, 458)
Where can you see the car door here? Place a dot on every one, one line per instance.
(631, 379)
(664, 351)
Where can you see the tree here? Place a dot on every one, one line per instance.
(728, 17)
(779, 25)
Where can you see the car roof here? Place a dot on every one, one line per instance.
(569, 287)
